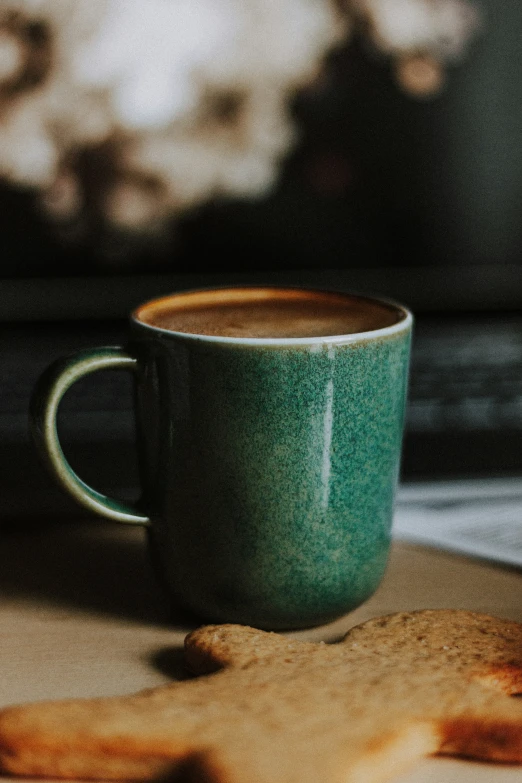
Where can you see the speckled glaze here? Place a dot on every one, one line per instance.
(269, 469)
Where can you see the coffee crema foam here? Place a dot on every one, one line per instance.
(266, 313)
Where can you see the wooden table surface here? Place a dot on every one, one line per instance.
(81, 615)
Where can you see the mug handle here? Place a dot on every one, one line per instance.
(45, 400)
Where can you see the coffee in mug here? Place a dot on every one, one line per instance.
(266, 313)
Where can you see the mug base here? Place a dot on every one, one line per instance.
(181, 614)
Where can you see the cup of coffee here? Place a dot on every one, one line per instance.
(269, 425)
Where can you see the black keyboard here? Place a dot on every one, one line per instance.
(464, 416)
(467, 375)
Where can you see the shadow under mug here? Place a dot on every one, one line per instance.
(268, 465)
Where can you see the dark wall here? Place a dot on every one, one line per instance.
(378, 178)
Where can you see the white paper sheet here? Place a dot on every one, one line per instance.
(477, 518)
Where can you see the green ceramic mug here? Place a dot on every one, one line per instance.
(269, 426)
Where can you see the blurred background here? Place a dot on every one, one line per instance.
(148, 146)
